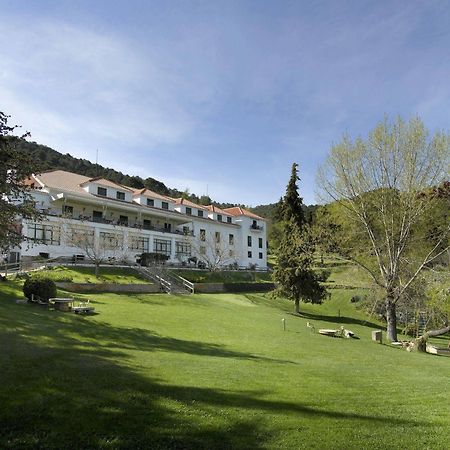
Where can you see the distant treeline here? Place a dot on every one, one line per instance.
(49, 159)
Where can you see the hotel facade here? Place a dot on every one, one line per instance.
(83, 214)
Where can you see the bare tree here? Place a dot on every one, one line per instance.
(214, 251)
(387, 185)
(97, 250)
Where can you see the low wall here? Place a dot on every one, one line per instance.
(109, 287)
(209, 288)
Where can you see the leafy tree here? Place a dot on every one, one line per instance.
(384, 187)
(16, 200)
(293, 274)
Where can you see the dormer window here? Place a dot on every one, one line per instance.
(164, 205)
(228, 219)
(150, 202)
(200, 213)
(120, 195)
(219, 217)
(101, 191)
(188, 211)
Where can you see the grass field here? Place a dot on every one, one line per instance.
(87, 275)
(211, 372)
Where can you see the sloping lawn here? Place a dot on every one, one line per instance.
(211, 372)
(87, 275)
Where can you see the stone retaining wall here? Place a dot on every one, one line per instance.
(109, 287)
(210, 288)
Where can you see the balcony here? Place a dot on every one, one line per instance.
(122, 223)
(254, 226)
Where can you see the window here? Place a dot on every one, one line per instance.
(260, 255)
(44, 234)
(202, 250)
(164, 205)
(110, 241)
(200, 213)
(249, 241)
(123, 220)
(188, 211)
(186, 231)
(139, 243)
(150, 202)
(120, 195)
(217, 236)
(80, 237)
(162, 246)
(203, 235)
(249, 254)
(147, 224)
(97, 216)
(101, 191)
(182, 249)
(168, 227)
(228, 219)
(231, 239)
(260, 243)
(219, 217)
(67, 210)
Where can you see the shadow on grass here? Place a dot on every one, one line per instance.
(339, 320)
(94, 335)
(67, 397)
(57, 392)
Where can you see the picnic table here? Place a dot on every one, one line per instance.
(62, 304)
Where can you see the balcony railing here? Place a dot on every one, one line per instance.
(136, 225)
(256, 227)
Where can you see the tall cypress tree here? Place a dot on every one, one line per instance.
(292, 203)
(293, 274)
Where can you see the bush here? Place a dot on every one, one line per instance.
(148, 259)
(40, 288)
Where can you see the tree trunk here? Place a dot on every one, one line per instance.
(421, 341)
(297, 306)
(391, 319)
(96, 269)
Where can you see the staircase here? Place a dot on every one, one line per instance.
(169, 282)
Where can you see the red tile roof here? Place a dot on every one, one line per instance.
(238, 211)
(183, 201)
(148, 193)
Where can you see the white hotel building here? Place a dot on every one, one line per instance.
(126, 222)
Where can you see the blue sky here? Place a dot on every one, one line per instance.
(220, 95)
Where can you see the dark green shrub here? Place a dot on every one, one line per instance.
(42, 289)
(148, 259)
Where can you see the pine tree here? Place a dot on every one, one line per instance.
(294, 276)
(292, 207)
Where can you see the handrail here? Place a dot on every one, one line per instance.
(188, 284)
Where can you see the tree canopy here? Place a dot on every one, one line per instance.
(384, 189)
(16, 201)
(293, 274)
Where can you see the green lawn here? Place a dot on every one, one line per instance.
(87, 275)
(211, 372)
(224, 276)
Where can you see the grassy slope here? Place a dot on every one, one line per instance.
(209, 371)
(87, 275)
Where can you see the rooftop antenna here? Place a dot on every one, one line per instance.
(96, 162)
